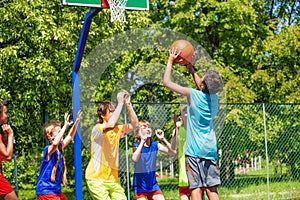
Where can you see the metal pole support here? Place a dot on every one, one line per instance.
(76, 97)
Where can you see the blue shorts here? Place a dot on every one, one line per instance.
(201, 172)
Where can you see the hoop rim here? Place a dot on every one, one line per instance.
(104, 4)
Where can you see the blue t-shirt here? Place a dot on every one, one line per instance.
(44, 184)
(201, 138)
(144, 179)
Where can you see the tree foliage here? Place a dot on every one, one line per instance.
(254, 45)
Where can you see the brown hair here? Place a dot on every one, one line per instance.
(3, 103)
(103, 108)
(48, 130)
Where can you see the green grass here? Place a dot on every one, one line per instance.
(28, 193)
(253, 185)
(248, 186)
(279, 190)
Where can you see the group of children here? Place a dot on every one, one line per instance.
(102, 170)
(193, 133)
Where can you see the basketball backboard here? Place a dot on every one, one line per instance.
(130, 5)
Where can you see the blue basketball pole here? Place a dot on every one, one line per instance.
(76, 97)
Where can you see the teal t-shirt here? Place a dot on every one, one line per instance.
(201, 138)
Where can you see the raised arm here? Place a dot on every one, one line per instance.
(7, 150)
(116, 114)
(52, 148)
(177, 124)
(168, 83)
(167, 148)
(138, 150)
(132, 115)
(72, 131)
(198, 81)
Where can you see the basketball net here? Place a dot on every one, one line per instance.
(117, 10)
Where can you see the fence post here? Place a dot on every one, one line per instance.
(171, 168)
(266, 147)
(161, 169)
(16, 175)
(127, 159)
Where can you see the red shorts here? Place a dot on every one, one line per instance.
(52, 197)
(5, 187)
(149, 195)
(184, 190)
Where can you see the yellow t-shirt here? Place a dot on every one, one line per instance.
(103, 165)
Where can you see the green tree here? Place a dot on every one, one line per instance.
(254, 45)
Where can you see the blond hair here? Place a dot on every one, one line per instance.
(136, 134)
(48, 130)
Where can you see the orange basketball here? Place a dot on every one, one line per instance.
(186, 49)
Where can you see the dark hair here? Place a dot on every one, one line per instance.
(103, 108)
(213, 82)
(3, 103)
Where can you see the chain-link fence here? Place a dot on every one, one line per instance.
(258, 150)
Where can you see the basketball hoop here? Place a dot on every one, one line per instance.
(117, 10)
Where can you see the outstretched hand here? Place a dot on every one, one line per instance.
(127, 97)
(159, 134)
(177, 120)
(120, 97)
(174, 53)
(78, 116)
(67, 117)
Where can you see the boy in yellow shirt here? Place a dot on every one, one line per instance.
(102, 170)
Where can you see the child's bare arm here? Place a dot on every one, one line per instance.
(52, 148)
(133, 118)
(167, 148)
(168, 83)
(197, 79)
(177, 124)
(7, 150)
(116, 114)
(72, 131)
(137, 151)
